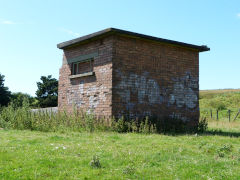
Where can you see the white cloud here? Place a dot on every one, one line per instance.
(70, 32)
(238, 15)
(7, 22)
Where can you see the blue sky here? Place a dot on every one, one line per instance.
(30, 30)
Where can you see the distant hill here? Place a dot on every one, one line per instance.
(217, 91)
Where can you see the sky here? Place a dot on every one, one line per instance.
(30, 31)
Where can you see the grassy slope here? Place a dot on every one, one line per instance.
(34, 155)
(229, 97)
(220, 99)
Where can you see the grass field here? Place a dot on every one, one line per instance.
(26, 154)
(39, 155)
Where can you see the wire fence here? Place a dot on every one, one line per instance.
(232, 114)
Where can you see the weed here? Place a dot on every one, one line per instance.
(226, 148)
(89, 119)
(121, 125)
(220, 153)
(95, 162)
(210, 148)
(201, 145)
(129, 170)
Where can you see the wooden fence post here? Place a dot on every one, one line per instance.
(211, 113)
(229, 115)
(217, 114)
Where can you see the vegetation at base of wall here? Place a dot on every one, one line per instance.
(22, 118)
(158, 125)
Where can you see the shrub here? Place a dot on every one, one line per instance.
(202, 125)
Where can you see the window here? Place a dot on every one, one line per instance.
(82, 67)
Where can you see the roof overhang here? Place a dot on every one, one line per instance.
(109, 31)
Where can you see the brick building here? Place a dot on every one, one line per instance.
(115, 73)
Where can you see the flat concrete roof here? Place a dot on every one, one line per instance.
(110, 31)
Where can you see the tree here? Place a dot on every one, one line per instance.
(5, 94)
(47, 92)
(18, 99)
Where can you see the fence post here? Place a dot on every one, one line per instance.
(229, 115)
(217, 114)
(211, 113)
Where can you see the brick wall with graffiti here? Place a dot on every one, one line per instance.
(152, 79)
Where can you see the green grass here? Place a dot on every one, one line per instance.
(212, 98)
(72, 152)
(47, 155)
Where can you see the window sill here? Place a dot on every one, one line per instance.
(82, 75)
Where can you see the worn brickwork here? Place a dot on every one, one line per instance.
(150, 78)
(90, 93)
(134, 77)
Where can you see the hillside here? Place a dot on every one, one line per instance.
(220, 99)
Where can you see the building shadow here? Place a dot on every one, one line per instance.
(221, 133)
(205, 133)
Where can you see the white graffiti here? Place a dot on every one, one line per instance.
(183, 93)
(146, 89)
(94, 94)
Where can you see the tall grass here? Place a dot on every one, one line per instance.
(12, 117)
(23, 118)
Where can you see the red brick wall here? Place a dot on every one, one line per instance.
(154, 79)
(91, 92)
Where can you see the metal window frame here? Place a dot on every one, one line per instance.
(91, 60)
